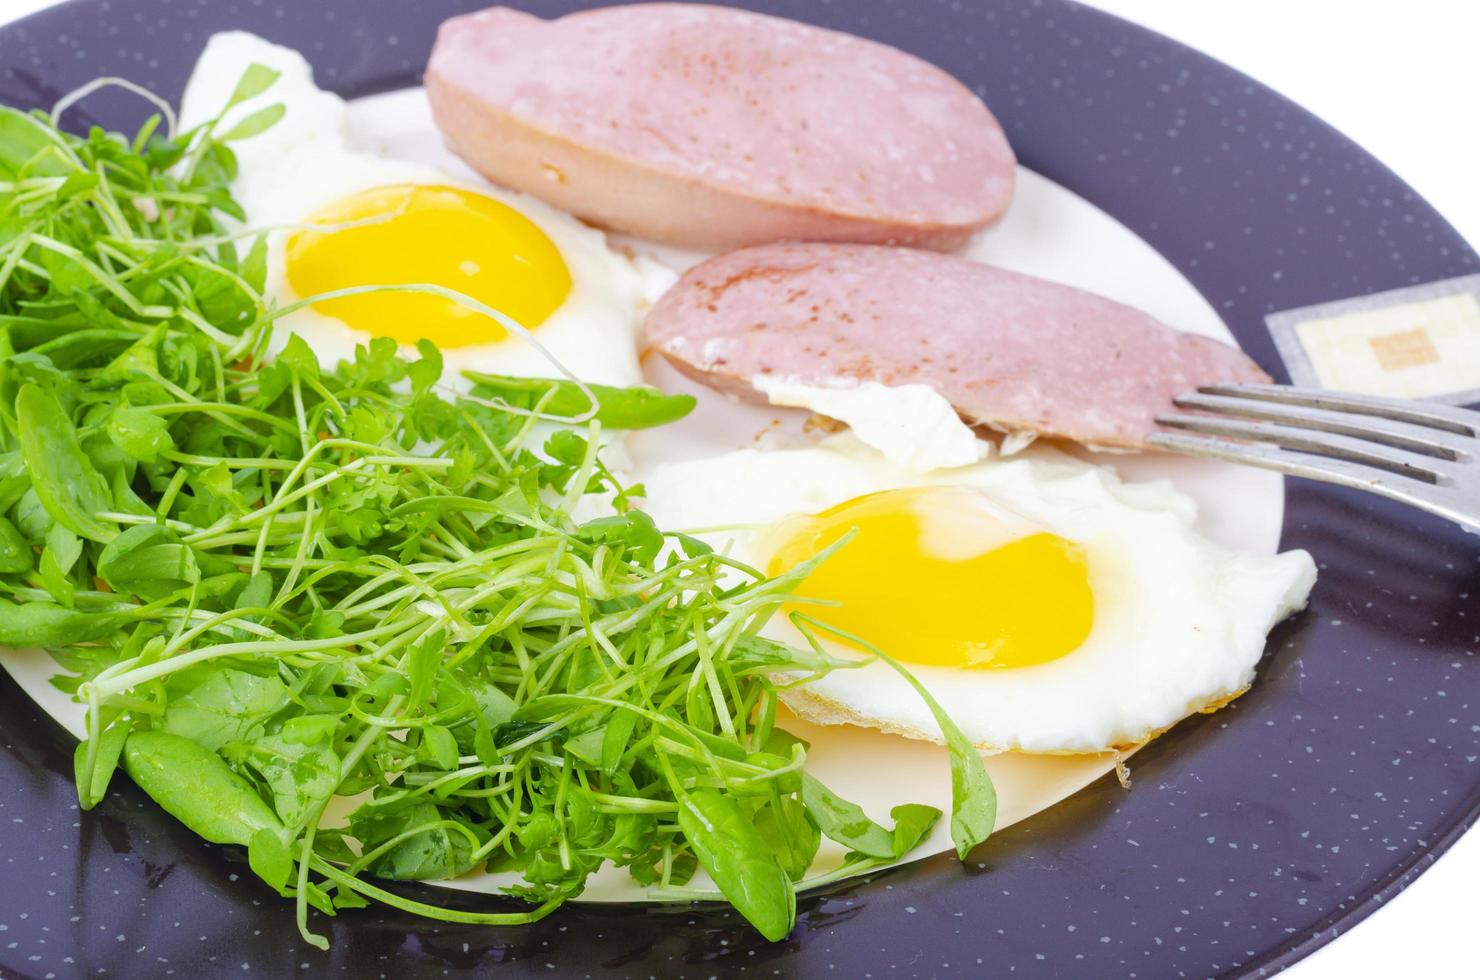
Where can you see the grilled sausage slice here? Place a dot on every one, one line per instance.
(717, 128)
(1007, 350)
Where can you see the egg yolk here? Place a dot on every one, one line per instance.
(934, 577)
(428, 234)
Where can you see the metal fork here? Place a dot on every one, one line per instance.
(1420, 453)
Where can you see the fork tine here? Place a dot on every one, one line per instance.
(1447, 418)
(1435, 499)
(1420, 439)
(1412, 465)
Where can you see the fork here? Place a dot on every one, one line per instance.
(1420, 453)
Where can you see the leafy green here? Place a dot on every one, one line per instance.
(973, 798)
(27, 147)
(44, 624)
(63, 477)
(270, 859)
(733, 851)
(298, 777)
(258, 122)
(845, 822)
(790, 833)
(254, 81)
(149, 561)
(96, 761)
(63, 548)
(638, 407)
(211, 705)
(414, 843)
(195, 786)
(912, 824)
(15, 554)
(139, 434)
(279, 585)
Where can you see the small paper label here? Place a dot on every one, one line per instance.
(1418, 342)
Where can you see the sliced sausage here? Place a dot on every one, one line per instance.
(1007, 350)
(717, 128)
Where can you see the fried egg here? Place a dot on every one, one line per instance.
(1047, 605)
(343, 215)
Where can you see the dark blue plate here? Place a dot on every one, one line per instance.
(1251, 836)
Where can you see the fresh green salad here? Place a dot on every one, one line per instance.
(286, 593)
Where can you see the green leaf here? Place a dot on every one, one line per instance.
(257, 593)
(615, 739)
(494, 706)
(300, 777)
(427, 371)
(845, 822)
(92, 785)
(257, 122)
(728, 845)
(64, 479)
(439, 747)
(299, 357)
(431, 854)
(214, 705)
(912, 824)
(637, 407)
(25, 147)
(973, 797)
(42, 624)
(388, 685)
(87, 660)
(790, 833)
(319, 899)
(758, 655)
(309, 729)
(270, 859)
(586, 746)
(329, 843)
(692, 546)
(161, 153)
(254, 266)
(32, 518)
(484, 746)
(68, 276)
(63, 548)
(258, 78)
(421, 667)
(148, 560)
(540, 829)
(139, 361)
(565, 446)
(77, 182)
(348, 898)
(16, 554)
(633, 531)
(322, 624)
(197, 788)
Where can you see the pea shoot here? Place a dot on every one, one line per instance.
(275, 585)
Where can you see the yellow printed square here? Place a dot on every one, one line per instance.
(1410, 350)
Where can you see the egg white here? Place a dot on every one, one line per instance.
(1180, 623)
(312, 157)
(911, 425)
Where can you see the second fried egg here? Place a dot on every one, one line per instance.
(1047, 605)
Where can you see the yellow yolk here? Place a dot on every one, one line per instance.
(430, 234)
(933, 577)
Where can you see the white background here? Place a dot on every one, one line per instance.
(1403, 80)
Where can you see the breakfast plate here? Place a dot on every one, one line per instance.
(1247, 837)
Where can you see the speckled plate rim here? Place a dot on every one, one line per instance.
(1263, 208)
